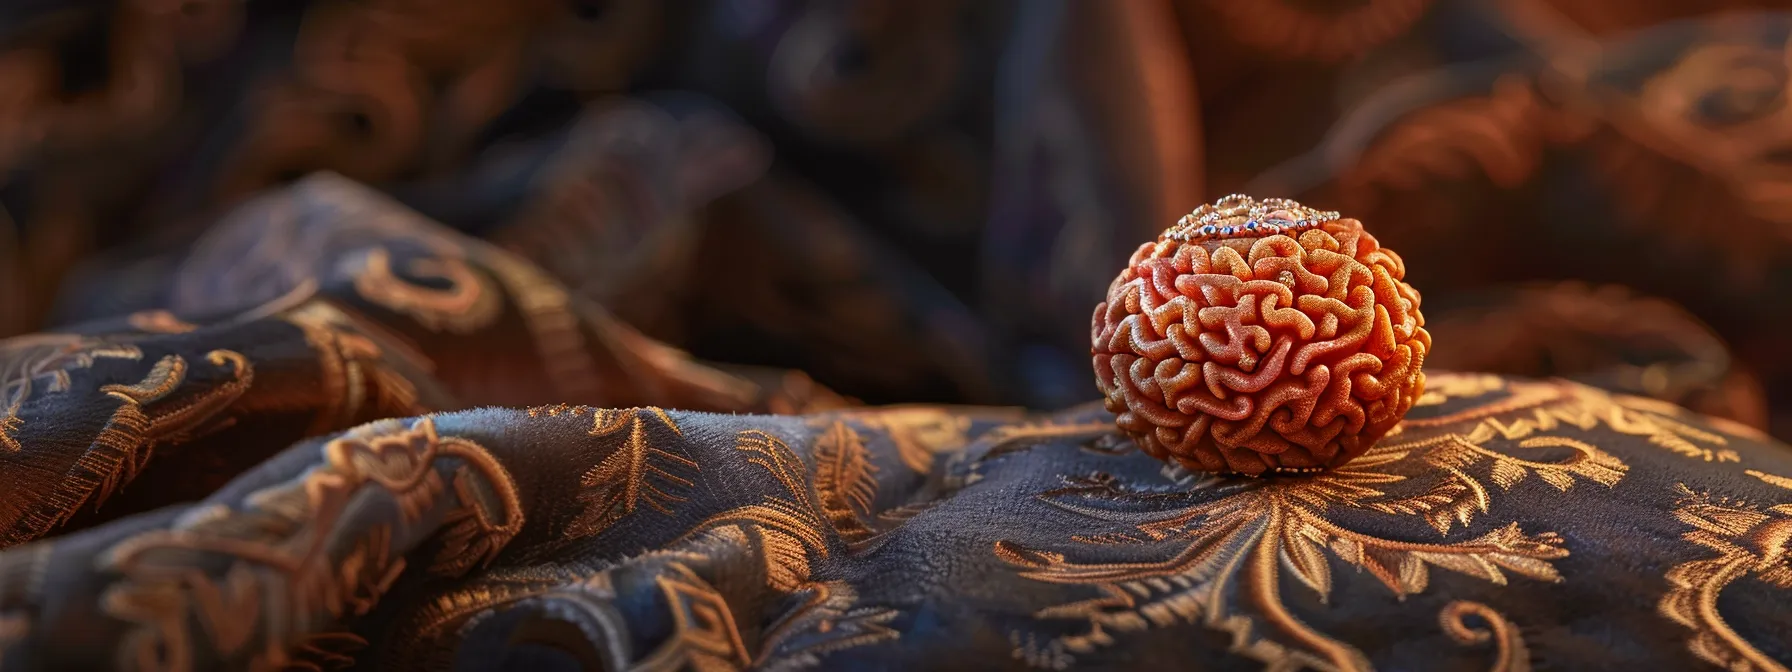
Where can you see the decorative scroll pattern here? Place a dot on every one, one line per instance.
(1749, 541)
(299, 556)
(1226, 548)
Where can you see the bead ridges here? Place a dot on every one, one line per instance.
(1260, 337)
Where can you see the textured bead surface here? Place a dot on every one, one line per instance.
(1289, 344)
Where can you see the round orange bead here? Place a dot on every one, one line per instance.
(1260, 336)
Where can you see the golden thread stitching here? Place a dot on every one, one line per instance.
(24, 359)
(282, 541)
(126, 443)
(920, 433)
(1554, 405)
(1251, 531)
(705, 636)
(632, 474)
(465, 306)
(1749, 540)
(791, 525)
(784, 530)
(348, 365)
(1513, 655)
(830, 608)
(845, 480)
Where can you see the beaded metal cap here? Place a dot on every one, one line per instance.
(1238, 216)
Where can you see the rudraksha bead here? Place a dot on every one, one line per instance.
(1258, 337)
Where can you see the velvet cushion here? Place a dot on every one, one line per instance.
(1507, 523)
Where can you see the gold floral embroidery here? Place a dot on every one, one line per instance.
(790, 532)
(1236, 537)
(1749, 539)
(465, 305)
(287, 540)
(1458, 497)
(637, 473)
(1513, 655)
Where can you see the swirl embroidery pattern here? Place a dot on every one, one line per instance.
(1233, 540)
(1513, 655)
(777, 537)
(149, 413)
(307, 540)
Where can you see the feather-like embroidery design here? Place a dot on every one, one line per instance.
(846, 481)
(636, 474)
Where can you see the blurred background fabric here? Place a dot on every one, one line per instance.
(919, 201)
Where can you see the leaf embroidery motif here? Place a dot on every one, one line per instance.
(790, 524)
(635, 474)
(784, 529)
(1748, 539)
(846, 481)
(1459, 497)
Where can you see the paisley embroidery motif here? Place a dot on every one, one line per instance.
(1234, 540)
(1750, 540)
